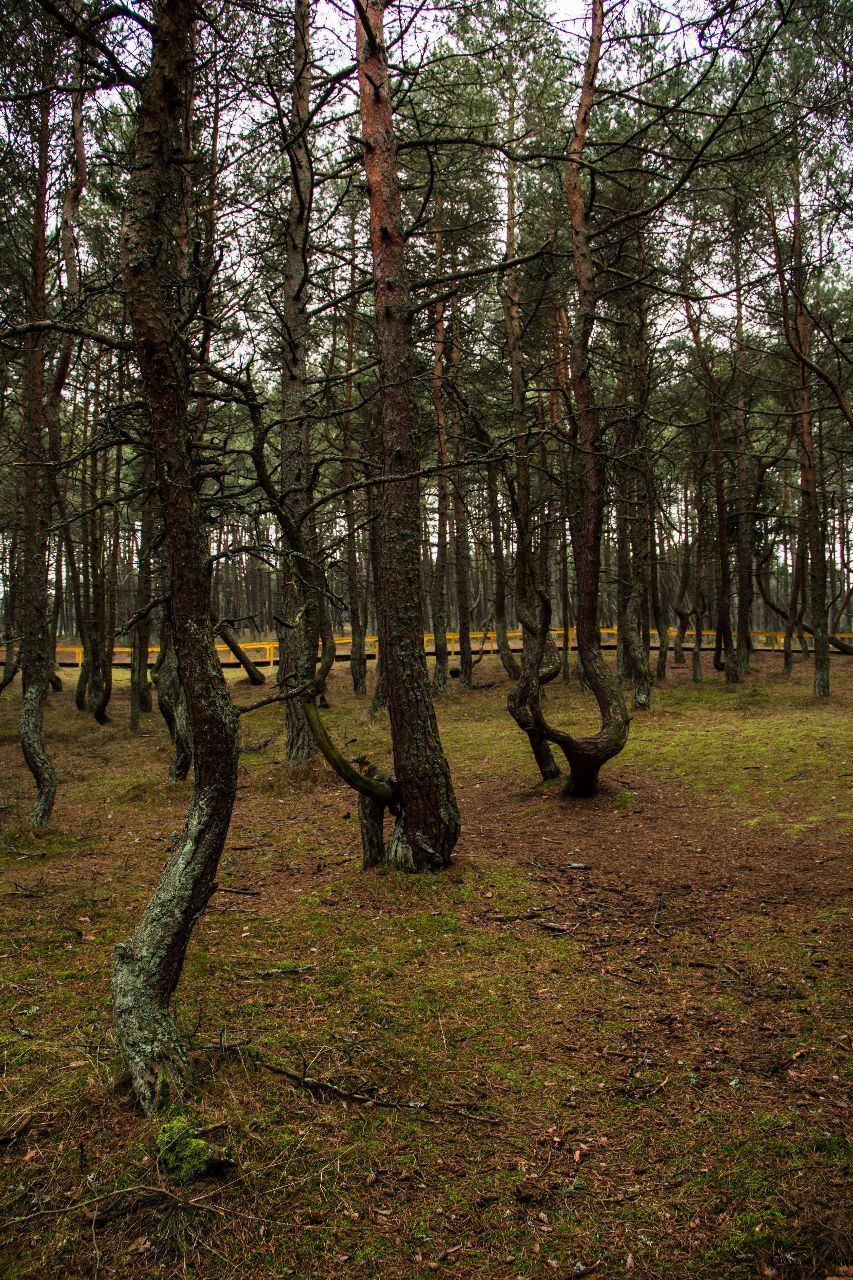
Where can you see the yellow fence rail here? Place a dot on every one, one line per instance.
(265, 652)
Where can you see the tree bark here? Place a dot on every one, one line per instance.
(140, 686)
(148, 966)
(254, 673)
(727, 661)
(172, 706)
(586, 756)
(36, 647)
(357, 661)
(304, 589)
(461, 541)
(743, 521)
(438, 597)
(429, 825)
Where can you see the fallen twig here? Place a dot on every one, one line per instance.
(17, 1129)
(327, 1088)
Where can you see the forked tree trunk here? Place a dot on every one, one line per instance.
(531, 605)
(428, 828)
(148, 966)
(586, 756)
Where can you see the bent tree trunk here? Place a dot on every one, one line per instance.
(586, 756)
(148, 966)
(256, 676)
(429, 825)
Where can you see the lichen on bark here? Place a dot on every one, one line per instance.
(148, 966)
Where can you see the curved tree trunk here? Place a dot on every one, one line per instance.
(586, 756)
(148, 966)
(532, 605)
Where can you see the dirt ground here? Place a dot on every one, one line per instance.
(613, 1039)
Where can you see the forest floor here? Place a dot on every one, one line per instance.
(613, 1039)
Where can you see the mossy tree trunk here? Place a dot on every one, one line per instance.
(148, 966)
